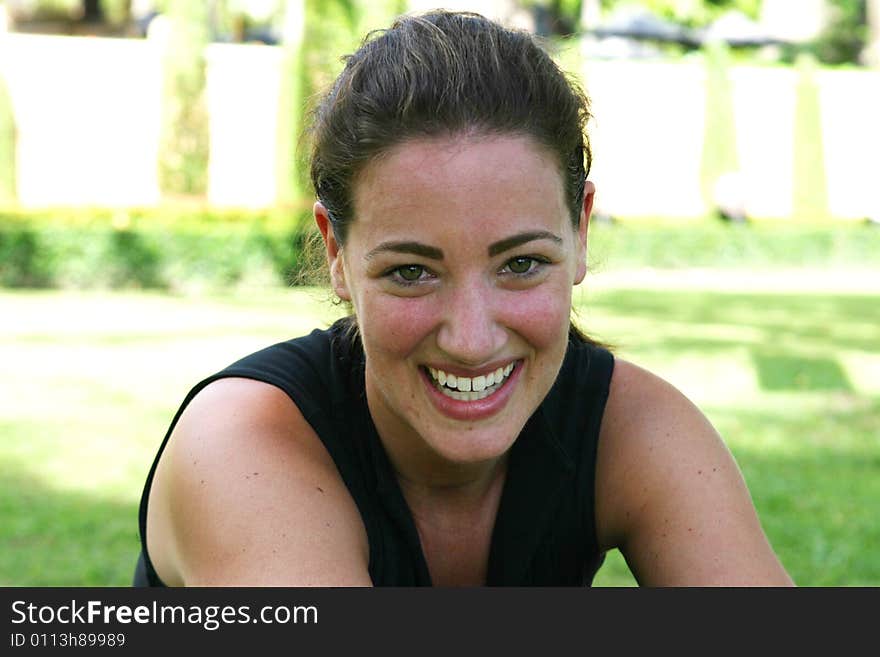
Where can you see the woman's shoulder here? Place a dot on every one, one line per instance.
(646, 411)
(243, 453)
(650, 432)
(669, 492)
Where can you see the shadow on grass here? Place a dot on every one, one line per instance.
(61, 538)
(780, 371)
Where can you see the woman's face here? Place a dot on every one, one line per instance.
(459, 264)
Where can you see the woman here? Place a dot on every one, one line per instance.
(457, 430)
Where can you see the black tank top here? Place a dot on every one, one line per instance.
(544, 533)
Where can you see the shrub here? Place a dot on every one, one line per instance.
(146, 249)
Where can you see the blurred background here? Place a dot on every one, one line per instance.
(155, 212)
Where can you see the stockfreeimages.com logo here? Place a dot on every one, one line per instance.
(211, 617)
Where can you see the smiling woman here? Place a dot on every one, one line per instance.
(472, 301)
(456, 429)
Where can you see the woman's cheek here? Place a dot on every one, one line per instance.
(540, 315)
(401, 324)
(397, 324)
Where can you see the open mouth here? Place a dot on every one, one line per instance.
(463, 388)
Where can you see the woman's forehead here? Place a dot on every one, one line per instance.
(462, 170)
(453, 151)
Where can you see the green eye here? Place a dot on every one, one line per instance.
(520, 265)
(411, 273)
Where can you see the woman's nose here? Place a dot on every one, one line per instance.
(470, 331)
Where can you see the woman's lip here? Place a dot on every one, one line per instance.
(472, 410)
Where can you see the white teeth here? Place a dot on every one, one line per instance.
(465, 388)
(466, 396)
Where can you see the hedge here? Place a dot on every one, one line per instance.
(171, 251)
(713, 244)
(180, 249)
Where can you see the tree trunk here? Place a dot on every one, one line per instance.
(291, 179)
(185, 141)
(872, 50)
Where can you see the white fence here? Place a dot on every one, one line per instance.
(88, 112)
(648, 136)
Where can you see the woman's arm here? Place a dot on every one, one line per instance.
(245, 494)
(671, 496)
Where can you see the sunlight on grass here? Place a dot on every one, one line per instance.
(96, 374)
(863, 369)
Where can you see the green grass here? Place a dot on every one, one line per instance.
(791, 380)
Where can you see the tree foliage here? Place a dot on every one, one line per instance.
(693, 13)
(846, 33)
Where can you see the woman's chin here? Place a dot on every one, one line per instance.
(471, 446)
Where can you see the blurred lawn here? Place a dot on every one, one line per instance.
(91, 380)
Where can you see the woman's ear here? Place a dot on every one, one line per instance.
(333, 249)
(583, 225)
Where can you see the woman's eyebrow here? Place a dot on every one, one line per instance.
(521, 238)
(432, 252)
(414, 248)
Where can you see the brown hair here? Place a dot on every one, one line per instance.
(444, 73)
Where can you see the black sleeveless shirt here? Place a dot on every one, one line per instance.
(544, 533)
